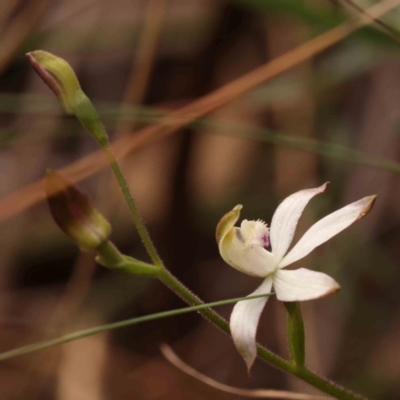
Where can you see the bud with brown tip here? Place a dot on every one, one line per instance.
(61, 79)
(74, 213)
(58, 75)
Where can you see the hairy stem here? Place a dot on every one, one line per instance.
(295, 333)
(319, 382)
(115, 325)
(137, 219)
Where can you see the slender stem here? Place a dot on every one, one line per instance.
(189, 297)
(140, 226)
(121, 324)
(295, 332)
(325, 385)
(109, 255)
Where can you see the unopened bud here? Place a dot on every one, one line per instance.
(58, 75)
(74, 213)
(61, 79)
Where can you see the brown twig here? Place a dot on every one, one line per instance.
(171, 356)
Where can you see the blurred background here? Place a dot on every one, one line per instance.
(334, 117)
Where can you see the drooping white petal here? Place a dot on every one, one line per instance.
(285, 218)
(244, 321)
(303, 284)
(252, 259)
(328, 227)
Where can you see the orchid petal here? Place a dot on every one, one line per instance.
(303, 284)
(328, 227)
(244, 321)
(285, 218)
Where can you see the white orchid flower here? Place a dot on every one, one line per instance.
(245, 249)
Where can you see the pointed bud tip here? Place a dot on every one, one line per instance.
(58, 76)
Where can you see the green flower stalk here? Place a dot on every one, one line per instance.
(295, 333)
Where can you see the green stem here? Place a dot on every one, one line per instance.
(319, 382)
(121, 324)
(142, 230)
(189, 297)
(110, 257)
(295, 332)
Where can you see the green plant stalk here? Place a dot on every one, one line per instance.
(137, 219)
(302, 372)
(295, 333)
(87, 115)
(120, 324)
(110, 257)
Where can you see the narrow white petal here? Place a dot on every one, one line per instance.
(252, 259)
(303, 284)
(285, 218)
(244, 322)
(328, 227)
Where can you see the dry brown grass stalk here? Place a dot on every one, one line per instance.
(170, 355)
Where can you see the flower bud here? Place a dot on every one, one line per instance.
(58, 75)
(61, 79)
(74, 213)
